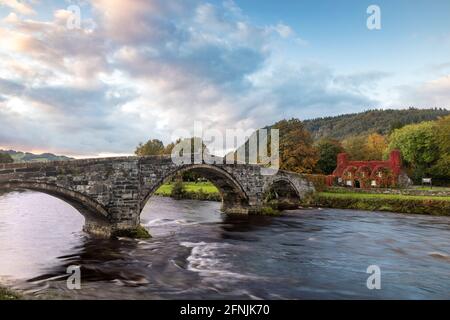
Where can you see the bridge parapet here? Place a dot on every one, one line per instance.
(111, 192)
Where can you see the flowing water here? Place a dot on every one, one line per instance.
(197, 252)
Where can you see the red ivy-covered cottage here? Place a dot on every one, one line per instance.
(369, 174)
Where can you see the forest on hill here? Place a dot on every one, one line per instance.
(422, 136)
(372, 121)
(311, 146)
(18, 156)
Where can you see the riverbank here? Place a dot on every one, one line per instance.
(400, 201)
(412, 191)
(429, 205)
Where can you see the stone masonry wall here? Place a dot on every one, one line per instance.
(111, 192)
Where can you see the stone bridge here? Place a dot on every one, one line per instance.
(111, 192)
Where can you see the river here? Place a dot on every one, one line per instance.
(197, 252)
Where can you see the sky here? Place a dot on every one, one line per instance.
(139, 69)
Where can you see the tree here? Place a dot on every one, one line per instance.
(168, 149)
(443, 134)
(356, 147)
(419, 146)
(150, 148)
(328, 150)
(395, 125)
(178, 189)
(6, 158)
(297, 153)
(376, 145)
(441, 170)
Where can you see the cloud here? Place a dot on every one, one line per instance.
(312, 90)
(431, 94)
(361, 80)
(21, 7)
(79, 52)
(143, 69)
(8, 87)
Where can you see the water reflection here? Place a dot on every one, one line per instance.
(197, 252)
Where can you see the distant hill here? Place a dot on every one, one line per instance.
(380, 121)
(19, 156)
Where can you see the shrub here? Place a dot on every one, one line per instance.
(372, 202)
(319, 181)
(178, 190)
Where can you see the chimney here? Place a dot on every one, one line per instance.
(342, 159)
(395, 160)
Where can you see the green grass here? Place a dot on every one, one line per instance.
(381, 196)
(431, 205)
(207, 187)
(428, 188)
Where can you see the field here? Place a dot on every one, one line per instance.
(190, 187)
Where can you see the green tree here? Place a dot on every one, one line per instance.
(376, 146)
(328, 150)
(443, 134)
(6, 158)
(441, 170)
(356, 147)
(178, 189)
(297, 152)
(419, 146)
(150, 148)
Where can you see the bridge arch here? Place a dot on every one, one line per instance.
(91, 210)
(283, 191)
(234, 197)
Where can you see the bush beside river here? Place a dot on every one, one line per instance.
(381, 202)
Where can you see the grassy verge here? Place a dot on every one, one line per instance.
(6, 294)
(430, 205)
(427, 188)
(381, 196)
